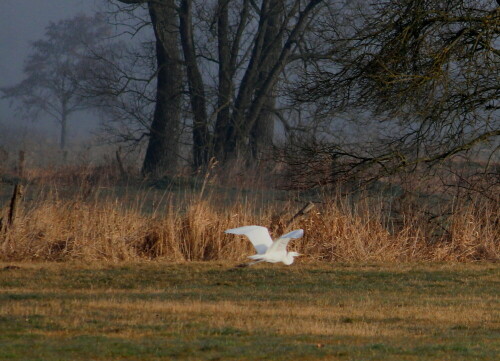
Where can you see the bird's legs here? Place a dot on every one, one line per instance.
(248, 264)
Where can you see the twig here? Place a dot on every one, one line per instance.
(306, 209)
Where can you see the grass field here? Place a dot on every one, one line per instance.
(211, 311)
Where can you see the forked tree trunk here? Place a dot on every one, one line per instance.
(261, 136)
(266, 63)
(236, 142)
(201, 133)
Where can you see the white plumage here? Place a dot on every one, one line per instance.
(267, 249)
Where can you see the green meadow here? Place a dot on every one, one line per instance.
(213, 311)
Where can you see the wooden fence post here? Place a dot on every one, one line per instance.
(121, 168)
(14, 204)
(4, 157)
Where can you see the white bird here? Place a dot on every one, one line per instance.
(267, 250)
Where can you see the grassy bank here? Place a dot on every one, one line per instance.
(210, 311)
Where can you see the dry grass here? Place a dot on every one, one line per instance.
(94, 221)
(365, 234)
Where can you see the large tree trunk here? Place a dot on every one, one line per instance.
(163, 148)
(225, 78)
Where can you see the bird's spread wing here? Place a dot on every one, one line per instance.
(259, 236)
(280, 244)
(298, 233)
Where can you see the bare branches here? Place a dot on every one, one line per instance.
(425, 73)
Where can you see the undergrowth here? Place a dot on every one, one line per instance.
(89, 223)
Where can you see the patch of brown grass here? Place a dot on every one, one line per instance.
(92, 226)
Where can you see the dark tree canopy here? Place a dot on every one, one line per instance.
(427, 71)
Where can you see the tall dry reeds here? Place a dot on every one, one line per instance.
(94, 225)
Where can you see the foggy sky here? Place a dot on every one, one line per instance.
(24, 21)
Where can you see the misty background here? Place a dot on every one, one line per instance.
(22, 22)
(344, 120)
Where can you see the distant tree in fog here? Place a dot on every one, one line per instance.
(58, 69)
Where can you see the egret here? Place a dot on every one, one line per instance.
(267, 249)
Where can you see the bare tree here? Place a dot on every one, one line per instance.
(58, 68)
(249, 45)
(269, 57)
(232, 113)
